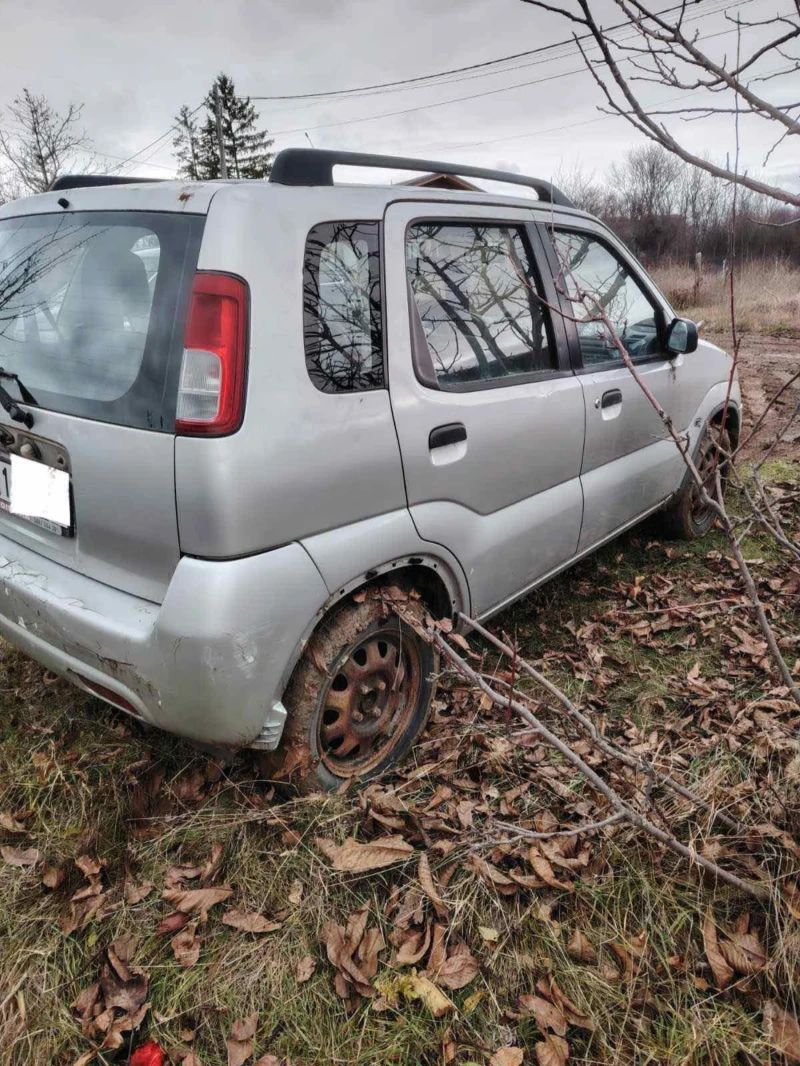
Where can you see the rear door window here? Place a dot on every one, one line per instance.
(91, 311)
(479, 303)
(342, 307)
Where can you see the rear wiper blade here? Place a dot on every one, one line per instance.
(7, 401)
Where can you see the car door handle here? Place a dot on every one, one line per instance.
(452, 433)
(611, 398)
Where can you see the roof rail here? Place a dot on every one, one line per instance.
(86, 181)
(314, 166)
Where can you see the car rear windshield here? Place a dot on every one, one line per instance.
(92, 307)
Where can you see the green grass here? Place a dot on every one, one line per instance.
(78, 767)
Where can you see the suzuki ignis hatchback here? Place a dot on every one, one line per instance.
(228, 407)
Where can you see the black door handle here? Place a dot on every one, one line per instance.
(611, 398)
(452, 433)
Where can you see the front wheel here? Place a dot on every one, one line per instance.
(358, 698)
(689, 516)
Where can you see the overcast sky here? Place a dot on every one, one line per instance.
(133, 65)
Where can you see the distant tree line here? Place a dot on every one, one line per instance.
(38, 142)
(666, 209)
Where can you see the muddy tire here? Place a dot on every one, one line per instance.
(358, 698)
(687, 517)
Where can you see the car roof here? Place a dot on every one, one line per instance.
(194, 197)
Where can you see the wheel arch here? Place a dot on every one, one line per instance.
(728, 416)
(442, 591)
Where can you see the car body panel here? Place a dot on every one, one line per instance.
(209, 663)
(506, 502)
(194, 607)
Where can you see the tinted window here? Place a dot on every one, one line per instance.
(475, 293)
(591, 266)
(342, 307)
(88, 310)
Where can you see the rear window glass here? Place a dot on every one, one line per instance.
(342, 307)
(91, 311)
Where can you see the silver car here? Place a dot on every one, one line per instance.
(233, 410)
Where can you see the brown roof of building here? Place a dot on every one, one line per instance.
(443, 181)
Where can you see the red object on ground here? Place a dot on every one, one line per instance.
(148, 1054)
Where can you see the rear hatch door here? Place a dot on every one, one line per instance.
(92, 310)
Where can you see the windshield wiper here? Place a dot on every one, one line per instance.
(7, 401)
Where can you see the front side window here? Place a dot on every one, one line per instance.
(588, 265)
(476, 297)
(342, 307)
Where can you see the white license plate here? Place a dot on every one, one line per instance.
(5, 504)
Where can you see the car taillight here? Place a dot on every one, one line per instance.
(211, 389)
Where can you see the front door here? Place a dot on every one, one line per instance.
(489, 414)
(630, 463)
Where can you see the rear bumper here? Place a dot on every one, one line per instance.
(209, 663)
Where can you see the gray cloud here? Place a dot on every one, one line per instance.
(134, 65)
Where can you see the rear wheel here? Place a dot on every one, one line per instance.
(358, 698)
(689, 516)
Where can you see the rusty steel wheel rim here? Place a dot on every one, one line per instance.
(707, 469)
(368, 701)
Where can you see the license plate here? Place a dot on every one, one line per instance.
(37, 520)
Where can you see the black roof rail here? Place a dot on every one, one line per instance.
(314, 166)
(87, 181)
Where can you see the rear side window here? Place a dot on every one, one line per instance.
(91, 310)
(475, 292)
(587, 264)
(342, 307)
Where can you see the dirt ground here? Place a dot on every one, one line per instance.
(765, 365)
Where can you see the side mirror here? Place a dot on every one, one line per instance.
(681, 336)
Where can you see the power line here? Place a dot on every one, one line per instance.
(157, 140)
(473, 96)
(570, 41)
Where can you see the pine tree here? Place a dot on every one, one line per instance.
(185, 144)
(247, 148)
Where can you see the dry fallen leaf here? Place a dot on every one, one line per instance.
(429, 886)
(296, 891)
(579, 947)
(249, 921)
(240, 1042)
(197, 900)
(783, 1031)
(305, 968)
(53, 876)
(547, 1015)
(744, 952)
(186, 946)
(359, 858)
(10, 823)
(552, 1051)
(722, 971)
(457, 970)
(432, 997)
(134, 893)
(544, 870)
(20, 856)
(172, 923)
(507, 1056)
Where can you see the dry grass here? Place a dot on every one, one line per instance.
(767, 297)
(77, 767)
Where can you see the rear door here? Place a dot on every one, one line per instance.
(630, 465)
(92, 305)
(489, 414)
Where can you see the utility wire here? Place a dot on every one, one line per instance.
(402, 82)
(471, 96)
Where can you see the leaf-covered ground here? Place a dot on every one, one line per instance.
(147, 893)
